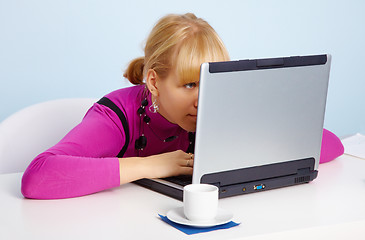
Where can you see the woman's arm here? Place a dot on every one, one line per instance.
(82, 162)
(52, 176)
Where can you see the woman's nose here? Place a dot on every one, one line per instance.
(196, 98)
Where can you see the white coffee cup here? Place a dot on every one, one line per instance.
(200, 202)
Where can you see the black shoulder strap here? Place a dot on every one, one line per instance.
(107, 102)
(191, 142)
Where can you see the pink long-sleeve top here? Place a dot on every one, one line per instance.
(85, 161)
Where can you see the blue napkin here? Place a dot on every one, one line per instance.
(194, 230)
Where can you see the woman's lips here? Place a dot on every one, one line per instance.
(192, 116)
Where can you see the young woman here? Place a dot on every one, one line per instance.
(145, 131)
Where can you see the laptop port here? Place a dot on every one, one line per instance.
(259, 187)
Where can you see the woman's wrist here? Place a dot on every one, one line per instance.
(131, 169)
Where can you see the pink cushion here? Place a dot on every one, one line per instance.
(331, 147)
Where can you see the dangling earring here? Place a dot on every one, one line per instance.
(154, 107)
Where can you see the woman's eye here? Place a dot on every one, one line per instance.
(190, 85)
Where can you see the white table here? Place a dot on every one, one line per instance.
(331, 207)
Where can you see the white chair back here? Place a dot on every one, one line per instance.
(34, 129)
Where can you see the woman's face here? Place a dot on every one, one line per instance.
(177, 101)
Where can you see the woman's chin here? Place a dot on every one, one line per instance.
(188, 127)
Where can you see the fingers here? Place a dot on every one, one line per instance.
(186, 171)
(187, 160)
(173, 164)
(186, 163)
(190, 161)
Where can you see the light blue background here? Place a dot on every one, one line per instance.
(79, 48)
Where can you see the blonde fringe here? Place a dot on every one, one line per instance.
(182, 42)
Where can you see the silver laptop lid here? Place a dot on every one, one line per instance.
(259, 112)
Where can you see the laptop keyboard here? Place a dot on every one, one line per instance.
(181, 180)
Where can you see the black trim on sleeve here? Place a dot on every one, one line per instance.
(108, 103)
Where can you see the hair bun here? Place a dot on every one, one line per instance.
(134, 72)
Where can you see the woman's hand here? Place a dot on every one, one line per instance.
(156, 166)
(169, 164)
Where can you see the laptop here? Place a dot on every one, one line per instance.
(259, 125)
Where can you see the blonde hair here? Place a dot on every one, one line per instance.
(181, 42)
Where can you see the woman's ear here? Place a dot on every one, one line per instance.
(151, 81)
